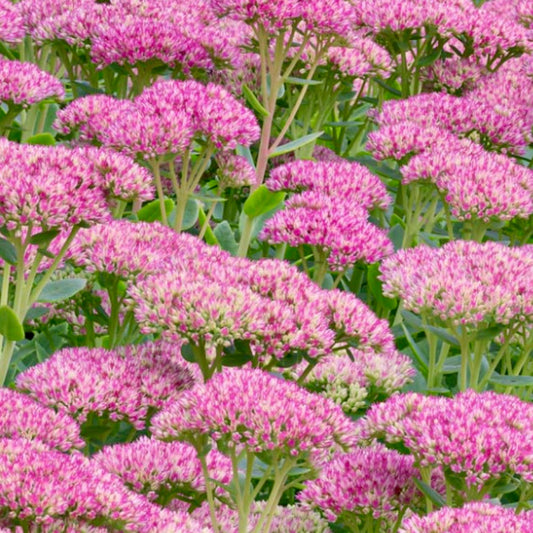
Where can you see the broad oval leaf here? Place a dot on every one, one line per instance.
(61, 289)
(10, 326)
(261, 201)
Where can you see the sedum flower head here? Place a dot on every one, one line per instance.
(463, 282)
(80, 381)
(22, 417)
(473, 517)
(367, 482)
(153, 468)
(11, 23)
(41, 486)
(25, 83)
(254, 409)
(447, 432)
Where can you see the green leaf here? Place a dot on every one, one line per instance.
(396, 234)
(294, 145)
(376, 288)
(8, 252)
(44, 238)
(190, 216)
(209, 236)
(43, 139)
(433, 495)
(10, 326)
(61, 289)
(302, 81)
(512, 381)
(152, 212)
(388, 88)
(253, 101)
(261, 201)
(85, 88)
(225, 237)
(421, 357)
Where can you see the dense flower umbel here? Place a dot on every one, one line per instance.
(355, 384)
(372, 481)
(476, 115)
(124, 248)
(331, 224)
(463, 282)
(287, 519)
(323, 17)
(39, 486)
(331, 178)
(254, 409)
(81, 381)
(55, 187)
(234, 171)
(475, 183)
(152, 467)
(479, 436)
(163, 119)
(22, 417)
(25, 83)
(11, 23)
(474, 517)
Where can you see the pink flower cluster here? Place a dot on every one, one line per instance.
(472, 518)
(152, 467)
(322, 17)
(234, 171)
(81, 381)
(164, 119)
(501, 123)
(41, 486)
(463, 282)
(25, 83)
(481, 437)
(287, 519)
(11, 23)
(254, 409)
(355, 384)
(21, 417)
(126, 249)
(206, 295)
(475, 183)
(331, 213)
(56, 188)
(183, 35)
(367, 482)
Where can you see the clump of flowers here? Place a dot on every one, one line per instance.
(252, 412)
(163, 471)
(89, 383)
(356, 384)
(22, 417)
(470, 518)
(41, 486)
(467, 287)
(170, 119)
(446, 432)
(369, 487)
(329, 213)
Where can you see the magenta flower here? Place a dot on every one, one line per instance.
(157, 469)
(234, 171)
(23, 84)
(11, 23)
(367, 482)
(81, 381)
(338, 228)
(463, 282)
(475, 183)
(21, 417)
(332, 178)
(126, 249)
(471, 518)
(251, 408)
(40, 486)
(447, 432)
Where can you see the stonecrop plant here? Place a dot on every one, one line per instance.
(266, 266)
